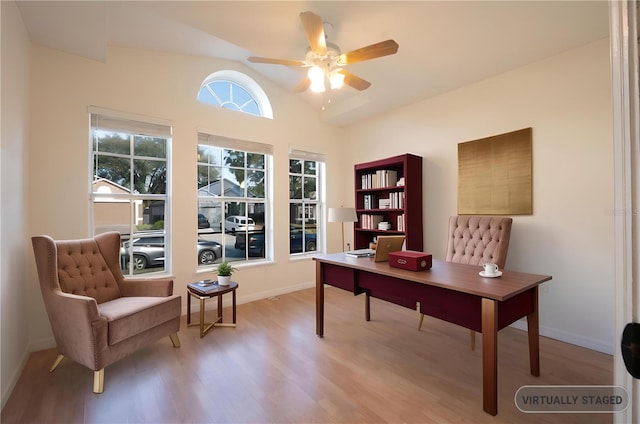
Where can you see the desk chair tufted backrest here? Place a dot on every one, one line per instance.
(80, 265)
(477, 240)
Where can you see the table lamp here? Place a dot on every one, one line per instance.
(342, 215)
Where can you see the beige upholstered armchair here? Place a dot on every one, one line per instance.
(477, 240)
(97, 316)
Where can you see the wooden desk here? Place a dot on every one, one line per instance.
(449, 291)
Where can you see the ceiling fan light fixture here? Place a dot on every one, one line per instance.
(316, 76)
(317, 87)
(336, 79)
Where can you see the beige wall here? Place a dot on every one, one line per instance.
(566, 99)
(163, 86)
(14, 246)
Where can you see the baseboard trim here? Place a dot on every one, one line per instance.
(17, 372)
(571, 338)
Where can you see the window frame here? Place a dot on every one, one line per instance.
(318, 202)
(134, 126)
(249, 148)
(243, 81)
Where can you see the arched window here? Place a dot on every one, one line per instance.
(235, 90)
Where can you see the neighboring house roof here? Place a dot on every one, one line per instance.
(231, 189)
(103, 185)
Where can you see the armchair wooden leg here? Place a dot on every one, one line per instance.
(98, 381)
(174, 339)
(473, 340)
(56, 363)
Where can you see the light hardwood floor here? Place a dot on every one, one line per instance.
(273, 369)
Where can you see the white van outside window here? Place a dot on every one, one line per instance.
(239, 223)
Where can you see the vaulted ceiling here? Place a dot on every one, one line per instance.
(444, 45)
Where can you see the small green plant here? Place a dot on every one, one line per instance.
(225, 269)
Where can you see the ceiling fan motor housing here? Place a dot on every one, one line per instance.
(327, 62)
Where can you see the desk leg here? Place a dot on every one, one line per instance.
(490, 356)
(188, 307)
(534, 336)
(367, 306)
(319, 300)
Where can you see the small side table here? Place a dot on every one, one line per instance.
(204, 293)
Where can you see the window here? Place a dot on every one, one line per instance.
(236, 91)
(305, 201)
(233, 197)
(129, 180)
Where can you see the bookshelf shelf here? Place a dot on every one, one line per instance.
(389, 190)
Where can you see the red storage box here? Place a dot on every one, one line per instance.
(411, 260)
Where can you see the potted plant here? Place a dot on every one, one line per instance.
(224, 270)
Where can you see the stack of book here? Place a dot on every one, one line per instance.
(384, 203)
(384, 225)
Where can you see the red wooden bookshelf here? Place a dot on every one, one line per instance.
(378, 180)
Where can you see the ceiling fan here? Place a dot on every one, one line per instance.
(325, 60)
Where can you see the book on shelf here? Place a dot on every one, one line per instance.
(396, 200)
(400, 222)
(380, 179)
(369, 201)
(370, 222)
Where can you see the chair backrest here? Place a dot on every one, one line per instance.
(477, 240)
(83, 267)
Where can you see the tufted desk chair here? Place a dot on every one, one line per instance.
(97, 316)
(477, 240)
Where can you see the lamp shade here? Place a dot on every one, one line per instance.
(342, 215)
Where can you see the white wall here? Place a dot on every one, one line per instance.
(566, 99)
(165, 86)
(14, 338)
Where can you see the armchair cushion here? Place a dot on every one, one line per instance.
(130, 316)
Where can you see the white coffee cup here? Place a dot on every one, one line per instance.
(490, 269)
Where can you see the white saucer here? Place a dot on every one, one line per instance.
(497, 274)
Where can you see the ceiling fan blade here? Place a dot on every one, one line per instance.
(286, 62)
(314, 29)
(383, 48)
(302, 85)
(354, 81)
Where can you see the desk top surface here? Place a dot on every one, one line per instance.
(449, 275)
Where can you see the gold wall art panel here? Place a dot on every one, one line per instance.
(495, 175)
